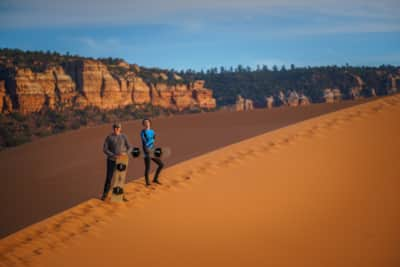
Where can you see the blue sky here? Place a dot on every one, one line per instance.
(183, 34)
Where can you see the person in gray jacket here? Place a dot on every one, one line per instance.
(115, 145)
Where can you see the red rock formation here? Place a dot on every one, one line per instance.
(88, 76)
(81, 83)
(111, 93)
(182, 97)
(204, 97)
(161, 95)
(198, 84)
(243, 104)
(304, 100)
(293, 99)
(140, 91)
(393, 83)
(2, 94)
(269, 101)
(329, 96)
(355, 92)
(30, 95)
(65, 87)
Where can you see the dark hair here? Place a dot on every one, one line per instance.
(146, 120)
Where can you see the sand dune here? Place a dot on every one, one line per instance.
(322, 192)
(53, 174)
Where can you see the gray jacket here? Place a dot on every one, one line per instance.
(115, 145)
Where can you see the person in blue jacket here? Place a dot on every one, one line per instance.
(148, 138)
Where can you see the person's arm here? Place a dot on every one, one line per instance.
(106, 149)
(127, 145)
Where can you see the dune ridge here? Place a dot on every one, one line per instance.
(33, 244)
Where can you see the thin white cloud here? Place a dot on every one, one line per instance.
(45, 13)
(100, 46)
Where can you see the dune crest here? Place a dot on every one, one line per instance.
(278, 198)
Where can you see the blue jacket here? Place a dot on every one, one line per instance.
(148, 139)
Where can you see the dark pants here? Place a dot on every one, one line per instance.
(147, 168)
(109, 175)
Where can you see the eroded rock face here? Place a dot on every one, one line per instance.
(392, 83)
(239, 105)
(293, 99)
(243, 104)
(140, 91)
(304, 100)
(282, 98)
(88, 76)
(177, 77)
(65, 87)
(82, 83)
(161, 95)
(329, 96)
(182, 97)
(111, 91)
(29, 94)
(204, 98)
(269, 102)
(355, 92)
(2, 94)
(337, 95)
(248, 104)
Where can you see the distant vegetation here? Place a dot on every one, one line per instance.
(258, 83)
(17, 129)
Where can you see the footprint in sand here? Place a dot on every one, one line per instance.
(178, 185)
(377, 108)
(390, 103)
(9, 261)
(287, 140)
(358, 115)
(273, 146)
(267, 147)
(308, 133)
(332, 124)
(205, 169)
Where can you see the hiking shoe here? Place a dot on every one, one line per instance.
(157, 182)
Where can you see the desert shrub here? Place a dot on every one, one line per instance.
(59, 127)
(17, 116)
(15, 140)
(75, 124)
(44, 133)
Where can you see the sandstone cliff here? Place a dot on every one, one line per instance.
(84, 82)
(2, 94)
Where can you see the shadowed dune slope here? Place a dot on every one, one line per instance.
(58, 172)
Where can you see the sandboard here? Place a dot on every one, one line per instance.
(116, 193)
(163, 152)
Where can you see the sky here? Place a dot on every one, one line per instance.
(183, 34)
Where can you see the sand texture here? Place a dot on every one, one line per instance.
(322, 192)
(55, 173)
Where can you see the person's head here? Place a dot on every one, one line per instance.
(117, 128)
(146, 123)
